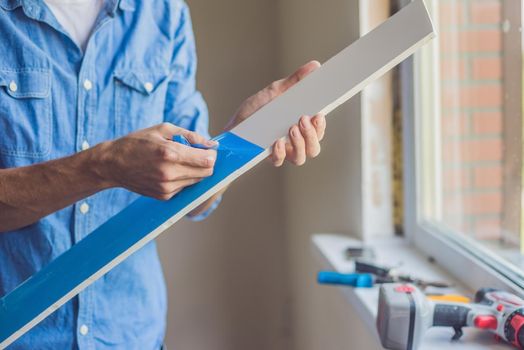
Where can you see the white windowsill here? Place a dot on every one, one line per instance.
(329, 249)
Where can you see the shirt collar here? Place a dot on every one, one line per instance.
(32, 8)
(9, 5)
(124, 5)
(127, 5)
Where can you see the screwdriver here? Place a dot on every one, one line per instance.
(366, 280)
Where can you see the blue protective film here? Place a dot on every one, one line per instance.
(111, 239)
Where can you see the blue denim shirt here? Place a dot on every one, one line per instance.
(138, 70)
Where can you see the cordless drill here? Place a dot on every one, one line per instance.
(405, 313)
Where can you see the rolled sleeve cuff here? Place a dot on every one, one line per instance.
(206, 212)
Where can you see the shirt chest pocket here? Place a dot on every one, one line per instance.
(140, 96)
(25, 112)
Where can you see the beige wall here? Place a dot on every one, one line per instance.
(244, 278)
(226, 276)
(326, 195)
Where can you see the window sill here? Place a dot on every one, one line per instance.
(329, 249)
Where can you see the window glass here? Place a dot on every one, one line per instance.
(470, 124)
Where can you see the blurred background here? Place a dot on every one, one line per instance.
(245, 278)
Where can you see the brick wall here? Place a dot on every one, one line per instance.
(471, 103)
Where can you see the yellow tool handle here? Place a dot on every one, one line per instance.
(456, 298)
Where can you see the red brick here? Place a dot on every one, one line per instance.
(452, 69)
(487, 68)
(472, 150)
(482, 95)
(451, 13)
(462, 205)
(488, 95)
(482, 203)
(456, 179)
(452, 208)
(487, 228)
(488, 177)
(485, 12)
(459, 224)
(482, 150)
(487, 122)
(471, 41)
(454, 124)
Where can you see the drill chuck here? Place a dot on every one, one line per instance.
(513, 328)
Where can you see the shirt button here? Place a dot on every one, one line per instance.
(12, 86)
(84, 329)
(85, 145)
(84, 208)
(148, 86)
(88, 85)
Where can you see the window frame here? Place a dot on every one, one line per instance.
(470, 262)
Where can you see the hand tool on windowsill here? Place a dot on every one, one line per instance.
(359, 251)
(366, 280)
(368, 274)
(405, 313)
(389, 275)
(454, 298)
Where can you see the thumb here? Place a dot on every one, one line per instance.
(195, 138)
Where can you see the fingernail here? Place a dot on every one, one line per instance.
(294, 131)
(304, 123)
(212, 143)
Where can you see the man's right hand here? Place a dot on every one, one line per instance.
(147, 162)
(150, 163)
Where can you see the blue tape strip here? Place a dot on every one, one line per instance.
(111, 239)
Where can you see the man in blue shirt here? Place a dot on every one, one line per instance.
(85, 129)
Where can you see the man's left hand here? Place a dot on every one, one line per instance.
(303, 139)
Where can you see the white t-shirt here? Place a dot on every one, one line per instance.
(77, 17)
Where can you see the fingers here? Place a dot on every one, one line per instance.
(175, 178)
(194, 138)
(167, 190)
(297, 155)
(279, 153)
(280, 86)
(266, 95)
(183, 172)
(309, 133)
(319, 122)
(169, 172)
(304, 141)
(299, 74)
(167, 130)
(190, 156)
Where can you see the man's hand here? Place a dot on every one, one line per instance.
(147, 162)
(303, 138)
(150, 163)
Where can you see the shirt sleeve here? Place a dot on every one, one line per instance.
(185, 106)
(203, 215)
